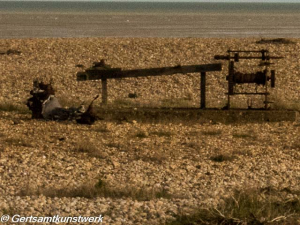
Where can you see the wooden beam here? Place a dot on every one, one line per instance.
(96, 74)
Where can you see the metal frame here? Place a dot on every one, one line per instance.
(260, 77)
(104, 72)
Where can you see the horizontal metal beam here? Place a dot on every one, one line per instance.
(228, 57)
(246, 93)
(96, 74)
(249, 51)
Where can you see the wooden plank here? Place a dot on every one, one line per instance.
(95, 74)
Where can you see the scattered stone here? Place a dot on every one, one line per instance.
(272, 158)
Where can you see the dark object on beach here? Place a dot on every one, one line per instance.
(10, 51)
(265, 77)
(40, 93)
(44, 105)
(79, 66)
(275, 41)
(132, 95)
(101, 64)
(88, 117)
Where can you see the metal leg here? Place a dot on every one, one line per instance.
(230, 82)
(266, 95)
(203, 90)
(228, 101)
(104, 91)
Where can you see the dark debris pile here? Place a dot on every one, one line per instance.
(44, 105)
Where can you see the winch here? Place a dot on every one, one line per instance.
(265, 77)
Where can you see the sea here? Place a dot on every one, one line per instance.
(25, 19)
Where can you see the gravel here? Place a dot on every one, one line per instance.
(39, 156)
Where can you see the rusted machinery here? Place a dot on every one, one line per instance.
(102, 71)
(265, 77)
(44, 105)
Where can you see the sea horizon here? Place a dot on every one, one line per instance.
(146, 6)
(30, 19)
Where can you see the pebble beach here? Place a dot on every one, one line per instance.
(42, 162)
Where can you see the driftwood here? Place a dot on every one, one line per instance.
(44, 105)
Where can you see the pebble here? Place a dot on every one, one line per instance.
(185, 177)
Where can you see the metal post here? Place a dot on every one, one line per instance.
(266, 95)
(230, 81)
(203, 90)
(104, 91)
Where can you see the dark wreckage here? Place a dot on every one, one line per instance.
(44, 105)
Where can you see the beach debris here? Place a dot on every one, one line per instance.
(79, 65)
(132, 95)
(40, 93)
(50, 106)
(275, 41)
(88, 116)
(10, 52)
(101, 65)
(45, 105)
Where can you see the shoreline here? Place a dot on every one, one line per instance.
(150, 24)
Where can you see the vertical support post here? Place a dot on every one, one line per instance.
(104, 91)
(230, 81)
(266, 83)
(203, 90)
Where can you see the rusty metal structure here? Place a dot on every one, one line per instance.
(265, 77)
(102, 71)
